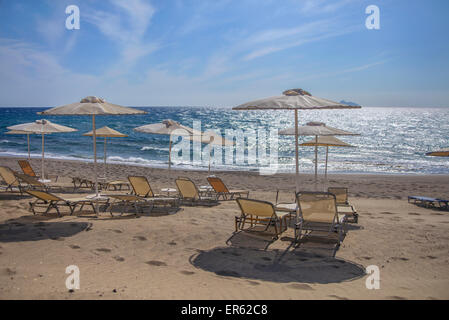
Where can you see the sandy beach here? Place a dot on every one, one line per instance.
(191, 253)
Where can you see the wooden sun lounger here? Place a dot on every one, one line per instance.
(12, 183)
(317, 211)
(429, 202)
(142, 188)
(51, 201)
(258, 212)
(28, 170)
(222, 190)
(33, 183)
(190, 194)
(127, 200)
(343, 205)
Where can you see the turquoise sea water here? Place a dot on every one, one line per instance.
(392, 140)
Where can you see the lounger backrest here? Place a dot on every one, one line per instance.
(317, 207)
(256, 207)
(141, 186)
(8, 176)
(30, 180)
(45, 196)
(218, 185)
(341, 194)
(26, 168)
(187, 188)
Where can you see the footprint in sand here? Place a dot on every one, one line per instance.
(74, 246)
(386, 212)
(156, 263)
(396, 298)
(141, 238)
(117, 231)
(399, 258)
(104, 250)
(414, 214)
(118, 258)
(367, 258)
(187, 273)
(9, 272)
(172, 243)
(300, 286)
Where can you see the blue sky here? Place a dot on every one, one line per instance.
(223, 52)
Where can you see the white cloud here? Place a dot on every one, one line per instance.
(126, 26)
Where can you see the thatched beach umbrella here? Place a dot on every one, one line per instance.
(105, 133)
(92, 106)
(439, 153)
(316, 129)
(326, 141)
(294, 99)
(42, 127)
(28, 138)
(168, 127)
(210, 137)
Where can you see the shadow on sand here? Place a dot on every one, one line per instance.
(29, 229)
(247, 257)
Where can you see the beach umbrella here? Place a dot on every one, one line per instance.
(294, 99)
(105, 133)
(92, 106)
(439, 153)
(167, 127)
(210, 137)
(315, 129)
(28, 138)
(325, 141)
(42, 127)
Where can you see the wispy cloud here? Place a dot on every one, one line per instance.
(323, 6)
(126, 26)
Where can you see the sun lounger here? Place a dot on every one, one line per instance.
(258, 212)
(343, 205)
(429, 202)
(28, 170)
(83, 183)
(117, 185)
(79, 183)
(189, 192)
(141, 187)
(289, 207)
(51, 201)
(317, 211)
(33, 183)
(444, 204)
(12, 183)
(127, 200)
(222, 190)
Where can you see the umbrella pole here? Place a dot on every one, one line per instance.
(43, 155)
(209, 160)
(28, 141)
(316, 159)
(94, 135)
(169, 155)
(327, 154)
(105, 169)
(296, 151)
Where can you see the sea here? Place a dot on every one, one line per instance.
(390, 140)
